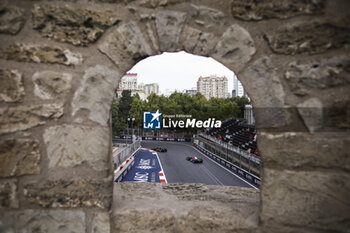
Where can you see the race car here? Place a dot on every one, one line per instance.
(194, 159)
(160, 149)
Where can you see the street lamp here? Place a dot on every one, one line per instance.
(131, 120)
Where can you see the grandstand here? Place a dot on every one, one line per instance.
(237, 132)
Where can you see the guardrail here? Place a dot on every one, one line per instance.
(254, 180)
(167, 139)
(120, 156)
(244, 153)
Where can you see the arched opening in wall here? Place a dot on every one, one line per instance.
(181, 118)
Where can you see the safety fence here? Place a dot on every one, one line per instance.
(252, 179)
(237, 150)
(121, 155)
(167, 139)
(245, 162)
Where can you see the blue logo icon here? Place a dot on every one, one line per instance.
(151, 120)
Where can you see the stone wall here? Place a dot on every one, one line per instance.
(60, 62)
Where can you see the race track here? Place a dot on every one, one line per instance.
(178, 170)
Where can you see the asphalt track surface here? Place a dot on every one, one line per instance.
(178, 170)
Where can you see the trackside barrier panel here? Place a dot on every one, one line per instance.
(124, 160)
(166, 139)
(244, 153)
(237, 170)
(122, 155)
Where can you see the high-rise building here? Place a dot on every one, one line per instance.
(238, 89)
(213, 86)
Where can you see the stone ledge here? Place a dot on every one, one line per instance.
(70, 193)
(72, 221)
(184, 208)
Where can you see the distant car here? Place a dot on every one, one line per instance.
(194, 159)
(160, 149)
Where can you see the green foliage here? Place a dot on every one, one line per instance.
(241, 102)
(120, 113)
(125, 104)
(177, 103)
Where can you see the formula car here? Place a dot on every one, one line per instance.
(194, 159)
(160, 149)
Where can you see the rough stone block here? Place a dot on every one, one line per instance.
(205, 16)
(95, 94)
(152, 36)
(159, 3)
(72, 221)
(235, 48)
(101, 223)
(260, 79)
(40, 54)
(266, 9)
(316, 199)
(305, 77)
(197, 42)
(312, 114)
(28, 116)
(185, 208)
(304, 150)
(11, 86)
(76, 26)
(213, 219)
(169, 25)
(308, 37)
(70, 146)
(11, 19)
(112, 1)
(51, 85)
(154, 220)
(125, 46)
(8, 194)
(70, 193)
(19, 157)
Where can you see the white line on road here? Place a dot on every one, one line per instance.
(224, 168)
(213, 162)
(210, 174)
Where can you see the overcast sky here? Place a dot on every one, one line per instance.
(179, 70)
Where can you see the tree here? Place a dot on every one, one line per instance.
(137, 108)
(241, 102)
(118, 123)
(177, 103)
(124, 104)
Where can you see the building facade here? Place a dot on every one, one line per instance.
(191, 92)
(237, 87)
(151, 88)
(130, 82)
(213, 86)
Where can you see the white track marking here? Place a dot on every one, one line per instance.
(211, 161)
(161, 167)
(224, 168)
(211, 175)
